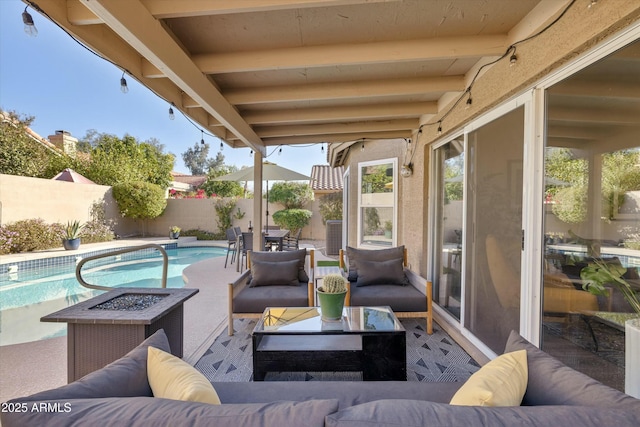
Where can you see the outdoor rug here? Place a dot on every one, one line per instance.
(430, 358)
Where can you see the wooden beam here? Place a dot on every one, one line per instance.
(133, 23)
(345, 90)
(317, 139)
(352, 54)
(340, 114)
(336, 128)
(161, 9)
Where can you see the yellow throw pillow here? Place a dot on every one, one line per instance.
(501, 382)
(172, 378)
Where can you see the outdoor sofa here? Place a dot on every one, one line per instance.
(120, 395)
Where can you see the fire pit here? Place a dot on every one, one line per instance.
(129, 302)
(105, 328)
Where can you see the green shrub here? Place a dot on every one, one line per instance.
(292, 219)
(34, 235)
(139, 200)
(200, 234)
(224, 208)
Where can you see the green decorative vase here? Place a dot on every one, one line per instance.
(331, 305)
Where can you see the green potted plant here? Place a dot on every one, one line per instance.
(331, 296)
(388, 227)
(71, 238)
(174, 232)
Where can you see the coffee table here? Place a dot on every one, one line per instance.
(296, 339)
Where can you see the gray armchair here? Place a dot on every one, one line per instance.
(382, 277)
(272, 279)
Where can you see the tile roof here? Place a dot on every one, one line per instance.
(326, 178)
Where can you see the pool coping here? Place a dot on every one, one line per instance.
(59, 256)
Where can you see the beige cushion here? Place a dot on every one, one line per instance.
(501, 382)
(173, 378)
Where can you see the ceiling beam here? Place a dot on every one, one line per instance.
(133, 22)
(352, 54)
(161, 9)
(345, 90)
(339, 128)
(317, 139)
(340, 114)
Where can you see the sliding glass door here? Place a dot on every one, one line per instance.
(493, 232)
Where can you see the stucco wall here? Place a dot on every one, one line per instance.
(53, 201)
(59, 201)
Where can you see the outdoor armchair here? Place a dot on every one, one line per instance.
(382, 277)
(272, 279)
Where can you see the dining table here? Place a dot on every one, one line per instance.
(275, 236)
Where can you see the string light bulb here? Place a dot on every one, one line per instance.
(123, 84)
(362, 146)
(201, 137)
(322, 148)
(280, 151)
(592, 3)
(251, 153)
(439, 127)
(29, 27)
(221, 146)
(469, 102)
(513, 59)
(171, 115)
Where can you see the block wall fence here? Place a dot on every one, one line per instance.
(59, 201)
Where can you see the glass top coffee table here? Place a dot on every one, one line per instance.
(296, 339)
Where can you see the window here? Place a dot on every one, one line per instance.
(377, 203)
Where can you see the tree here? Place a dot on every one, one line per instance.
(114, 160)
(222, 188)
(195, 158)
(331, 206)
(292, 195)
(20, 154)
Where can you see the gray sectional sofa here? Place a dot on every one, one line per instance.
(120, 395)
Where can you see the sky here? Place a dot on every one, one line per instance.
(66, 87)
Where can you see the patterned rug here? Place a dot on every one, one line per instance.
(430, 358)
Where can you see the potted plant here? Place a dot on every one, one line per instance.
(600, 272)
(71, 239)
(388, 227)
(331, 296)
(174, 232)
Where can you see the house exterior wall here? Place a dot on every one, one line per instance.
(579, 30)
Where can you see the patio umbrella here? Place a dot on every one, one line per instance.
(70, 175)
(270, 172)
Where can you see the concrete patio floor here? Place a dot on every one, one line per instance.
(35, 366)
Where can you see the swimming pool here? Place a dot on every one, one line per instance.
(28, 294)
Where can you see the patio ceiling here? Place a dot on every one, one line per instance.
(260, 73)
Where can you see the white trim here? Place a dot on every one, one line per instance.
(396, 182)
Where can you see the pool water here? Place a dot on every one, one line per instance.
(26, 296)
